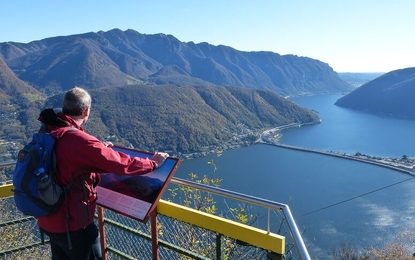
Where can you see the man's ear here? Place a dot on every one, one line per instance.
(86, 112)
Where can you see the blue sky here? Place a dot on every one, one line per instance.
(348, 35)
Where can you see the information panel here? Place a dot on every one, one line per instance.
(136, 196)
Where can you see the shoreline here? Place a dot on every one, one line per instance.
(400, 168)
(271, 137)
(274, 133)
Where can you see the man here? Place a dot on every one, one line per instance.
(80, 158)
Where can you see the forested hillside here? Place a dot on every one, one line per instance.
(184, 119)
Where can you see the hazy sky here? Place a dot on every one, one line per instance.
(349, 35)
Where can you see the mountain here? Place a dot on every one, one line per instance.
(18, 102)
(356, 79)
(391, 94)
(186, 119)
(118, 58)
(154, 92)
(13, 90)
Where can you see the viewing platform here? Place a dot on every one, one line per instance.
(174, 231)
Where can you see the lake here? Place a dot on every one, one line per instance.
(333, 200)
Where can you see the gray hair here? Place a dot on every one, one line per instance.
(76, 101)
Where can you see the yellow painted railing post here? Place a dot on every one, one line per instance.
(6, 190)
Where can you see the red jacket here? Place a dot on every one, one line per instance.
(79, 153)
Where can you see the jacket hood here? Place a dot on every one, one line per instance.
(59, 131)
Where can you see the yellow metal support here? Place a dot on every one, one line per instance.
(251, 235)
(254, 236)
(6, 190)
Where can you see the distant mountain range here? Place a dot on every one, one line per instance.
(156, 93)
(118, 58)
(156, 117)
(357, 79)
(391, 94)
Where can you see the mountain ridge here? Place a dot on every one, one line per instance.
(116, 58)
(156, 92)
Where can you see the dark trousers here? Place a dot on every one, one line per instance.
(85, 244)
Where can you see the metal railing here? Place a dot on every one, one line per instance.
(270, 205)
(170, 223)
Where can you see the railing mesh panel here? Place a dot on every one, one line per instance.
(127, 238)
(201, 242)
(19, 233)
(132, 238)
(177, 240)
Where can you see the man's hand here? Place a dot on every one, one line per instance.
(159, 158)
(108, 144)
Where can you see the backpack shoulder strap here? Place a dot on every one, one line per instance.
(69, 128)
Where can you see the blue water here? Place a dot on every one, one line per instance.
(333, 200)
(351, 131)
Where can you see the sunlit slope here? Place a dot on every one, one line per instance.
(186, 119)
